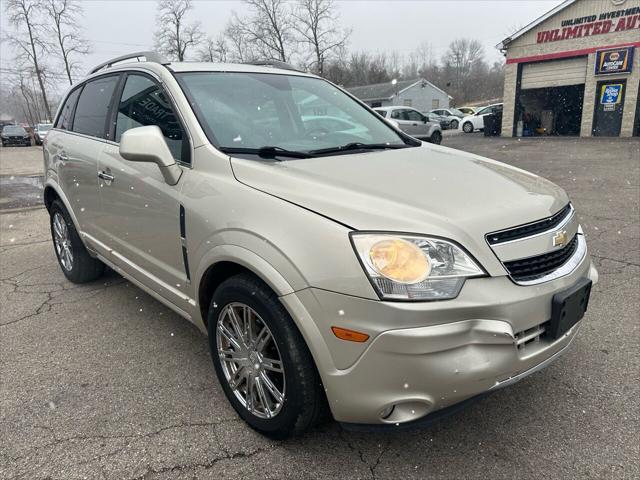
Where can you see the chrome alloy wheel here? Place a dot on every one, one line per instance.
(250, 360)
(62, 241)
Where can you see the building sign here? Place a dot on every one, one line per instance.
(607, 22)
(619, 60)
(611, 94)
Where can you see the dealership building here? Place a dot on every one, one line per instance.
(575, 71)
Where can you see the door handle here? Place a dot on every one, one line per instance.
(107, 177)
(63, 157)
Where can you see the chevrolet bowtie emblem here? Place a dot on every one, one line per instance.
(560, 238)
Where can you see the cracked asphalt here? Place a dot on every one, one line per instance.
(101, 381)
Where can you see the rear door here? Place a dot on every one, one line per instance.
(140, 214)
(77, 147)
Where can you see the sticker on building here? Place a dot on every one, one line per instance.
(611, 94)
(619, 60)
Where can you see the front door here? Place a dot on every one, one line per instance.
(140, 212)
(609, 105)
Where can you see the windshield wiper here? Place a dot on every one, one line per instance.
(358, 146)
(268, 151)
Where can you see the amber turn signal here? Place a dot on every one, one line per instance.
(349, 335)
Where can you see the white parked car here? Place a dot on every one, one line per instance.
(413, 123)
(471, 123)
(452, 114)
(40, 132)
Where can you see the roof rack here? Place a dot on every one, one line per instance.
(274, 64)
(148, 56)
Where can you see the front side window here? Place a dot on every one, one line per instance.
(144, 103)
(65, 118)
(291, 112)
(93, 106)
(413, 116)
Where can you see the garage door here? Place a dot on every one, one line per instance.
(555, 73)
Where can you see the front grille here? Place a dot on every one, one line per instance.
(529, 229)
(531, 268)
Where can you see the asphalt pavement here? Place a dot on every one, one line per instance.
(102, 381)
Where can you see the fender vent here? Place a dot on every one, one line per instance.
(183, 241)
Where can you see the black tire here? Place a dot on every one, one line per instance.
(467, 127)
(83, 267)
(454, 125)
(304, 404)
(436, 138)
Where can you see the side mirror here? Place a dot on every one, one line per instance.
(147, 144)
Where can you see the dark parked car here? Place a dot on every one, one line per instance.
(444, 122)
(15, 135)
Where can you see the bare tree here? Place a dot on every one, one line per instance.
(66, 29)
(240, 48)
(317, 28)
(28, 40)
(214, 50)
(462, 57)
(269, 29)
(174, 36)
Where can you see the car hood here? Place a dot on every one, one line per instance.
(429, 189)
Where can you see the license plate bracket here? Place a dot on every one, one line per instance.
(568, 307)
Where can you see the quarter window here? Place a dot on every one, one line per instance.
(64, 119)
(93, 106)
(144, 103)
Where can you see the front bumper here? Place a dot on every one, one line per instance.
(438, 353)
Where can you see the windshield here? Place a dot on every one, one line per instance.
(456, 112)
(43, 127)
(14, 130)
(294, 113)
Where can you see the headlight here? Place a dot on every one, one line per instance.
(404, 267)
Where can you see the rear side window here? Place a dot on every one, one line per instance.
(144, 103)
(93, 106)
(64, 119)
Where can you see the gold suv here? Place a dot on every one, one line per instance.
(336, 263)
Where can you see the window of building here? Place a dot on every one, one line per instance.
(407, 102)
(93, 106)
(435, 103)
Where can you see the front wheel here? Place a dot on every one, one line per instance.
(436, 137)
(467, 127)
(76, 263)
(454, 125)
(261, 359)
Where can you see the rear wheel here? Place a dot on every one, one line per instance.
(454, 125)
(261, 359)
(467, 127)
(76, 263)
(436, 137)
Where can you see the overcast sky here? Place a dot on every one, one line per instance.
(116, 27)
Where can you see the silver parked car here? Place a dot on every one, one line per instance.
(412, 122)
(40, 132)
(355, 271)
